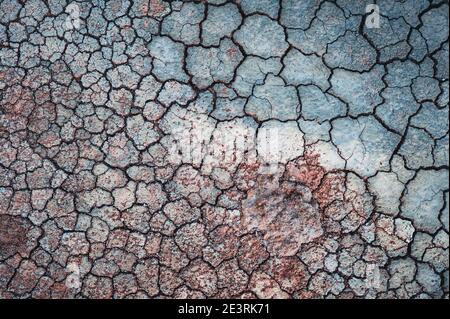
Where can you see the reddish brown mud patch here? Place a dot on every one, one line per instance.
(301, 204)
(13, 235)
(306, 170)
(155, 8)
(284, 212)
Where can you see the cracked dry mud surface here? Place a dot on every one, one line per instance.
(224, 149)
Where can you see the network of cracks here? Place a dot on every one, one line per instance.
(224, 149)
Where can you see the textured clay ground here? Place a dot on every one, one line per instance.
(224, 149)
